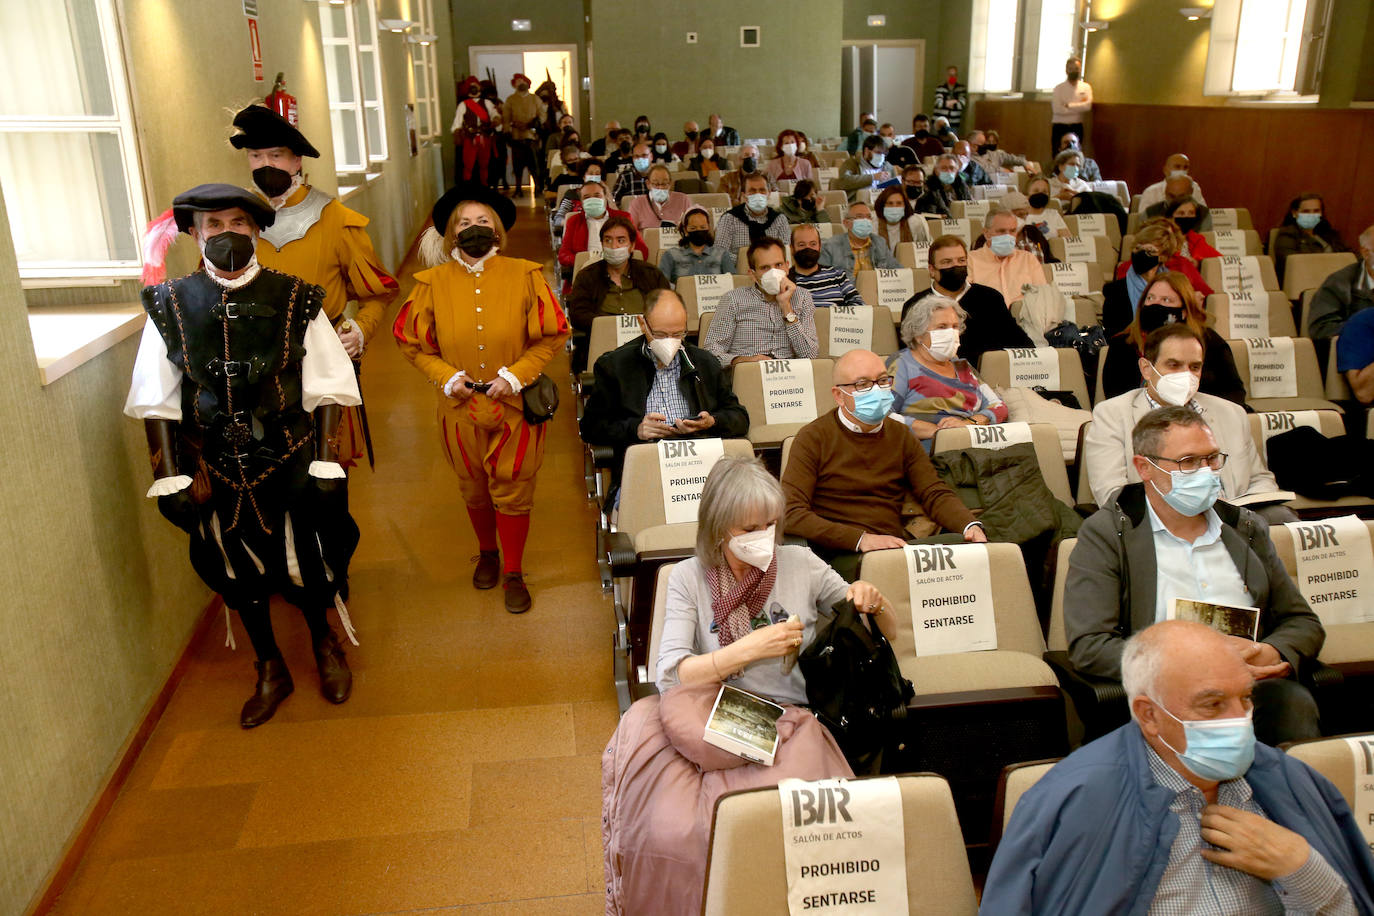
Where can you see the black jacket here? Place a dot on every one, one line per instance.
(1121, 368)
(989, 326)
(938, 196)
(623, 379)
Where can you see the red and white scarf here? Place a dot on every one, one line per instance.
(734, 603)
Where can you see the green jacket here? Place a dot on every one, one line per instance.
(1006, 483)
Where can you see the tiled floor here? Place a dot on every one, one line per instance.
(463, 775)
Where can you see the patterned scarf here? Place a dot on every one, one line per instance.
(733, 603)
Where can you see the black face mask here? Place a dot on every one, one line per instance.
(476, 241)
(983, 148)
(229, 251)
(272, 181)
(1154, 317)
(1142, 261)
(953, 278)
(625, 148)
(913, 191)
(808, 204)
(642, 129)
(699, 237)
(1186, 224)
(806, 258)
(1038, 201)
(922, 134)
(746, 165)
(691, 135)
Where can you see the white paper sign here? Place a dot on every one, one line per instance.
(1273, 371)
(1335, 568)
(851, 328)
(1071, 279)
(921, 253)
(682, 468)
(710, 287)
(999, 435)
(1273, 422)
(1078, 250)
(828, 174)
(1003, 178)
(1362, 751)
(717, 213)
(1104, 187)
(1241, 275)
(1247, 315)
(895, 287)
(1224, 218)
(951, 598)
(1092, 224)
(1230, 242)
(976, 209)
(789, 394)
(844, 844)
(957, 227)
(1034, 367)
(626, 329)
(668, 237)
(774, 199)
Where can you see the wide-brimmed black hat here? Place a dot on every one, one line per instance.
(263, 128)
(444, 206)
(206, 198)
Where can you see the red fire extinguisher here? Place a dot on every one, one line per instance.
(281, 101)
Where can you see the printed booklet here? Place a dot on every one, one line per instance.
(1224, 618)
(744, 724)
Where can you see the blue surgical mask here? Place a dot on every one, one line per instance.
(594, 177)
(877, 160)
(1308, 220)
(757, 202)
(862, 227)
(893, 214)
(947, 177)
(1218, 749)
(1002, 245)
(872, 405)
(1070, 172)
(642, 163)
(594, 207)
(658, 195)
(1191, 494)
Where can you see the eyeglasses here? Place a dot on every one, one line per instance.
(657, 336)
(863, 384)
(1190, 463)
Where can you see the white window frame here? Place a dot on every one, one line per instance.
(424, 75)
(353, 111)
(368, 43)
(121, 123)
(1303, 41)
(1034, 34)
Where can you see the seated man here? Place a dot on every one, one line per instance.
(1181, 810)
(850, 472)
(1345, 292)
(582, 229)
(685, 148)
(1168, 537)
(719, 133)
(900, 156)
(732, 182)
(994, 160)
(1090, 170)
(859, 248)
(868, 168)
(601, 146)
(1176, 191)
(1002, 265)
(990, 325)
(1354, 353)
(748, 221)
(868, 127)
(618, 155)
(921, 142)
(1172, 369)
(945, 186)
(827, 285)
(772, 319)
(632, 180)
(970, 170)
(1176, 166)
(660, 387)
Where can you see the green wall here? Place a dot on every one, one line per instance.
(907, 20)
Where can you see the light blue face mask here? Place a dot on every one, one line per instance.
(1216, 749)
(1308, 220)
(1070, 172)
(872, 405)
(594, 177)
(757, 202)
(947, 177)
(862, 227)
(877, 160)
(1191, 494)
(658, 195)
(642, 163)
(893, 214)
(1002, 245)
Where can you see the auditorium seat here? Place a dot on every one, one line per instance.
(748, 387)
(1329, 424)
(688, 290)
(1044, 438)
(1104, 256)
(1015, 780)
(882, 339)
(1231, 218)
(835, 199)
(1075, 279)
(1216, 272)
(710, 201)
(917, 280)
(746, 870)
(1310, 388)
(1279, 321)
(1332, 758)
(994, 368)
(909, 256)
(1088, 224)
(1302, 272)
(645, 676)
(1238, 242)
(608, 332)
(962, 228)
(658, 239)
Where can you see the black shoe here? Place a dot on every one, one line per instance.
(336, 681)
(518, 599)
(274, 685)
(488, 571)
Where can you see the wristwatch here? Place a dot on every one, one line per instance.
(790, 318)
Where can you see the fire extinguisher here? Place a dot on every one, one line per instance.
(280, 101)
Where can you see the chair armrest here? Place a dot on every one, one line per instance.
(1089, 692)
(620, 553)
(1085, 509)
(1322, 676)
(587, 380)
(603, 456)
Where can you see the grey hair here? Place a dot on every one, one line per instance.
(659, 297)
(950, 156)
(736, 489)
(1149, 432)
(917, 319)
(1140, 663)
(1367, 239)
(998, 211)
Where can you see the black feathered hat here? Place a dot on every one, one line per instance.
(206, 198)
(263, 128)
(445, 205)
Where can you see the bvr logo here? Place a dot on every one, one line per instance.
(934, 559)
(710, 280)
(777, 366)
(679, 449)
(629, 321)
(1274, 422)
(1022, 353)
(1311, 537)
(985, 434)
(887, 273)
(826, 805)
(1263, 343)
(846, 311)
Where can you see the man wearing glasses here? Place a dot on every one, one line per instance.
(1168, 537)
(849, 473)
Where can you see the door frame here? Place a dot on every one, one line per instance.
(574, 79)
(918, 78)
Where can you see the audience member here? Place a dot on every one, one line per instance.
(1172, 372)
(1187, 218)
(749, 221)
(658, 386)
(1069, 102)
(1344, 293)
(913, 183)
(573, 167)
(948, 186)
(1305, 231)
(592, 172)
(687, 146)
(1028, 236)
(1121, 295)
(1181, 810)
(804, 151)
(827, 285)
(951, 97)
(772, 319)
(921, 142)
(694, 254)
(1163, 237)
(899, 222)
(720, 134)
(1040, 214)
(1090, 170)
(932, 388)
(601, 146)
(661, 151)
(898, 156)
(614, 285)
(990, 325)
(1064, 180)
(582, 229)
(732, 182)
(619, 155)
(868, 127)
(633, 180)
(1169, 299)
(803, 205)
(869, 169)
(1002, 265)
(994, 160)
(1355, 355)
(1169, 537)
(1175, 190)
(786, 164)
(851, 471)
(858, 248)
(970, 170)
(642, 128)
(661, 205)
(939, 126)
(556, 139)
(1176, 166)
(704, 162)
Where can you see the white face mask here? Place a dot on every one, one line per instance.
(755, 547)
(616, 255)
(1176, 388)
(708, 152)
(789, 149)
(664, 349)
(771, 281)
(944, 343)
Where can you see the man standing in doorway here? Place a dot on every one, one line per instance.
(1072, 99)
(951, 97)
(524, 111)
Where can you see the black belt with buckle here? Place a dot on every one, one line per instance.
(235, 369)
(223, 310)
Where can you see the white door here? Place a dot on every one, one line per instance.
(896, 88)
(504, 63)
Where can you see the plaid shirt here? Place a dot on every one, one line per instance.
(747, 324)
(665, 395)
(732, 233)
(1191, 885)
(629, 183)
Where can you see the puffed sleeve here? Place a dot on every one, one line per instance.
(415, 334)
(368, 281)
(545, 325)
(327, 375)
(155, 392)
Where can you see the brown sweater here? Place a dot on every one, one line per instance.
(841, 485)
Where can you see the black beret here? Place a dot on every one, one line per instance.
(206, 198)
(444, 206)
(263, 128)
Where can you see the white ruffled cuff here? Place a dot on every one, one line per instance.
(166, 486)
(453, 383)
(327, 470)
(511, 380)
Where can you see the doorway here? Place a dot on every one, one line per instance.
(884, 77)
(538, 62)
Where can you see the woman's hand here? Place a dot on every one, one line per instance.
(952, 422)
(866, 598)
(499, 389)
(773, 641)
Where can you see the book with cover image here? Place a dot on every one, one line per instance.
(744, 724)
(1224, 618)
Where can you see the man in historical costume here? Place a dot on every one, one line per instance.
(240, 382)
(500, 153)
(474, 129)
(524, 112)
(318, 239)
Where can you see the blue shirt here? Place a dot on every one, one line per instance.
(1202, 570)
(682, 261)
(1355, 348)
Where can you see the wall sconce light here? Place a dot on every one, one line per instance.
(424, 39)
(1194, 13)
(395, 25)
(1096, 25)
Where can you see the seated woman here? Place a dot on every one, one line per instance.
(932, 388)
(661, 205)
(787, 164)
(1305, 231)
(803, 205)
(1164, 235)
(1065, 183)
(693, 255)
(704, 162)
(614, 285)
(1188, 216)
(1166, 299)
(588, 170)
(804, 150)
(1040, 214)
(661, 150)
(1121, 295)
(572, 168)
(898, 220)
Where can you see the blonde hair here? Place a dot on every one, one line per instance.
(451, 230)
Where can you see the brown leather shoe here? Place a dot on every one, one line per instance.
(488, 571)
(274, 685)
(518, 599)
(336, 680)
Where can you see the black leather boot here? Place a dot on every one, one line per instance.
(336, 680)
(274, 685)
(488, 571)
(518, 599)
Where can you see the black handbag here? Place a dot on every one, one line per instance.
(854, 685)
(541, 400)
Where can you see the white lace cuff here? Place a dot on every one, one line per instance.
(166, 486)
(453, 383)
(327, 470)
(511, 380)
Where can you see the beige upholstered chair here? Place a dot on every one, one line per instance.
(1048, 451)
(748, 386)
